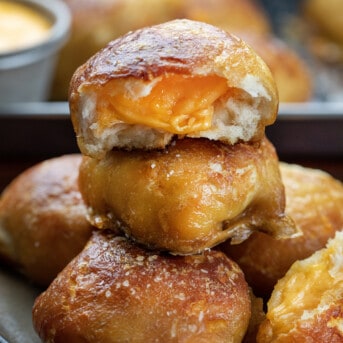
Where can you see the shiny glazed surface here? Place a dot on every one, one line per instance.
(193, 195)
(115, 291)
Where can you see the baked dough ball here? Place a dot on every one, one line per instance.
(115, 291)
(191, 196)
(230, 15)
(314, 200)
(306, 304)
(292, 76)
(43, 219)
(324, 22)
(180, 78)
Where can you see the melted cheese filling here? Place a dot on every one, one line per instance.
(21, 26)
(308, 288)
(175, 103)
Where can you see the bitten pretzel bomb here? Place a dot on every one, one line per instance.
(176, 175)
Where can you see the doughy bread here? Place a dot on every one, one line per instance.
(306, 304)
(191, 196)
(43, 219)
(314, 200)
(115, 291)
(181, 78)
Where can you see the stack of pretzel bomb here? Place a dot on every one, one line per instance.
(170, 120)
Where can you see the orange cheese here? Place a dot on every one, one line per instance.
(21, 26)
(176, 103)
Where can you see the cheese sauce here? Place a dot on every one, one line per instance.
(21, 26)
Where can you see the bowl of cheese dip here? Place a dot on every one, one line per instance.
(32, 32)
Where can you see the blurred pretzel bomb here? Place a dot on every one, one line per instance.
(314, 200)
(115, 291)
(43, 219)
(324, 29)
(230, 15)
(171, 122)
(291, 74)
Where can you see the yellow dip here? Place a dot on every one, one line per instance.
(21, 26)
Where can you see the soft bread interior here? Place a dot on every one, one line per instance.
(132, 113)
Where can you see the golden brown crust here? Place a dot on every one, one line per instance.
(130, 68)
(306, 304)
(314, 200)
(115, 291)
(191, 196)
(97, 22)
(179, 46)
(43, 219)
